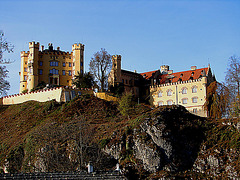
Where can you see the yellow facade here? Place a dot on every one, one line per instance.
(190, 94)
(53, 67)
(130, 80)
(105, 96)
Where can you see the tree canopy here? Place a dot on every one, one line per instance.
(83, 80)
(100, 66)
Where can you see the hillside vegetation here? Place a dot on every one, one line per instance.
(166, 141)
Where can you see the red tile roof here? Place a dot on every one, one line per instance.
(183, 76)
(149, 74)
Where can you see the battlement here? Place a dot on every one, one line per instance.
(78, 46)
(179, 82)
(43, 95)
(118, 57)
(24, 54)
(34, 45)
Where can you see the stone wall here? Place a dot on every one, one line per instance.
(60, 94)
(105, 96)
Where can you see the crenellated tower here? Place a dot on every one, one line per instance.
(115, 74)
(33, 56)
(78, 58)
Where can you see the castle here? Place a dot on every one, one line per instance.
(159, 87)
(49, 66)
(163, 87)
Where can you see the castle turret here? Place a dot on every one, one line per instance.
(78, 54)
(116, 69)
(33, 65)
(24, 71)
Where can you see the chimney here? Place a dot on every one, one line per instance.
(193, 68)
(135, 71)
(42, 47)
(164, 69)
(58, 48)
(170, 71)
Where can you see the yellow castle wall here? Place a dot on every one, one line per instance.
(177, 96)
(35, 61)
(59, 94)
(105, 96)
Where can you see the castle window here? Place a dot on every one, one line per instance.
(184, 90)
(63, 72)
(40, 71)
(53, 71)
(81, 63)
(69, 73)
(169, 92)
(25, 69)
(64, 64)
(70, 64)
(73, 64)
(40, 63)
(63, 57)
(81, 71)
(160, 103)
(169, 102)
(53, 63)
(30, 70)
(25, 77)
(194, 99)
(25, 62)
(160, 94)
(184, 100)
(194, 89)
(195, 110)
(126, 81)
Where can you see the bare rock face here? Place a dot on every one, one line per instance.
(168, 139)
(215, 162)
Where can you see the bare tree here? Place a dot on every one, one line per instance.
(4, 47)
(232, 79)
(217, 100)
(100, 66)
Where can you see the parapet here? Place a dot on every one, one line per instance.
(118, 57)
(24, 54)
(78, 46)
(34, 45)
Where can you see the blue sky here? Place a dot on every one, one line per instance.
(147, 33)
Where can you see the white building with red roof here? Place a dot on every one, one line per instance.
(163, 87)
(186, 88)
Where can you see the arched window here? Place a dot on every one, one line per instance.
(194, 100)
(184, 100)
(160, 94)
(169, 102)
(169, 92)
(194, 89)
(184, 90)
(160, 103)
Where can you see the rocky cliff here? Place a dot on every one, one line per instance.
(162, 142)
